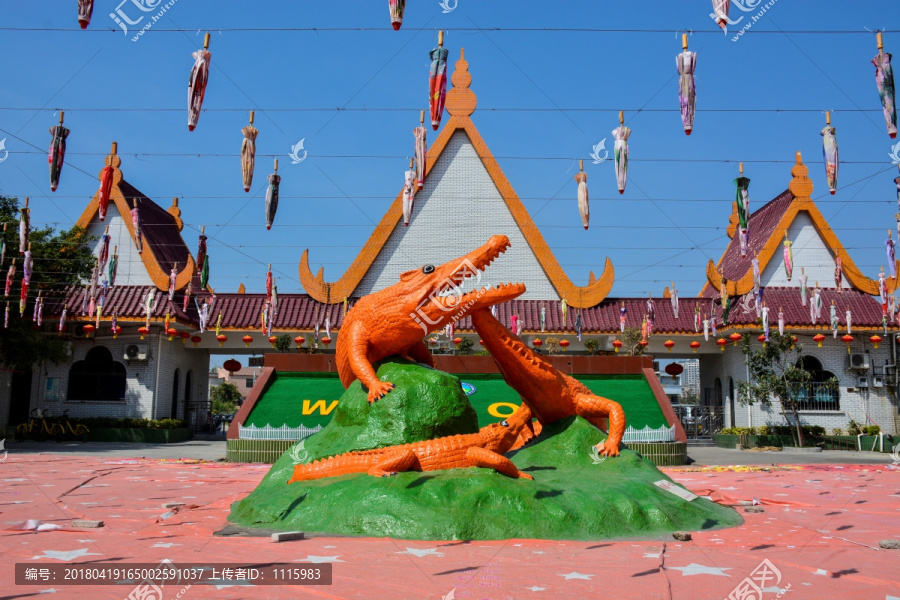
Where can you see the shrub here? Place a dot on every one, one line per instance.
(854, 428)
(465, 346)
(872, 429)
(763, 430)
(836, 431)
(130, 423)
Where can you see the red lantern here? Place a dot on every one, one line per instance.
(118, 330)
(722, 342)
(272, 339)
(735, 337)
(325, 341)
(143, 331)
(457, 341)
(171, 332)
(668, 344)
(674, 369)
(643, 343)
(819, 338)
(536, 342)
(232, 366)
(616, 345)
(247, 339)
(299, 341)
(762, 339)
(196, 339)
(794, 340)
(564, 343)
(222, 338)
(89, 330)
(875, 339)
(847, 339)
(184, 336)
(694, 345)
(481, 342)
(432, 341)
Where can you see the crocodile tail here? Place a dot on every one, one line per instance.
(342, 464)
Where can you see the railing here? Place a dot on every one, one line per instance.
(268, 432)
(817, 396)
(647, 434)
(699, 421)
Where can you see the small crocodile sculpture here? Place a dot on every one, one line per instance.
(549, 394)
(396, 319)
(482, 449)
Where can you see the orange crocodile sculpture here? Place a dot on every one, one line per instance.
(396, 319)
(482, 449)
(549, 394)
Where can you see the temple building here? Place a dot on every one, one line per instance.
(162, 371)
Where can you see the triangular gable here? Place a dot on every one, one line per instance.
(768, 226)
(460, 104)
(163, 245)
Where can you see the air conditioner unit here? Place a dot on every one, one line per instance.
(862, 382)
(859, 361)
(877, 381)
(136, 352)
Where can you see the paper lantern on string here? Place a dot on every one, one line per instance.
(457, 341)
(643, 344)
(299, 340)
(325, 341)
(722, 342)
(794, 340)
(564, 343)
(185, 335)
(819, 338)
(694, 345)
(847, 339)
(89, 330)
(674, 369)
(247, 339)
(118, 330)
(537, 342)
(432, 341)
(616, 345)
(221, 338)
(668, 344)
(171, 332)
(762, 339)
(143, 331)
(232, 366)
(272, 339)
(875, 339)
(196, 339)
(735, 337)
(481, 342)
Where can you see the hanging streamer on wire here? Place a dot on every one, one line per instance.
(197, 83)
(830, 152)
(136, 225)
(57, 154)
(421, 150)
(24, 227)
(437, 81)
(248, 153)
(884, 81)
(743, 210)
(85, 11)
(687, 91)
(396, 8)
(409, 193)
(272, 196)
(620, 151)
(583, 206)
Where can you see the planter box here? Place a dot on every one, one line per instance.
(145, 436)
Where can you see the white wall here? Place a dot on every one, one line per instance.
(810, 253)
(459, 207)
(131, 270)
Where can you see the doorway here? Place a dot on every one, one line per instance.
(19, 397)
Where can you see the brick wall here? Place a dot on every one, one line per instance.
(131, 269)
(810, 253)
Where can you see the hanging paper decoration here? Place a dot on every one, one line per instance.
(136, 225)
(6, 317)
(757, 283)
(106, 181)
(248, 153)
(85, 10)
(564, 309)
(884, 80)
(583, 208)
(720, 13)
(272, 196)
(838, 274)
(409, 193)
(651, 314)
(788, 257)
(396, 8)
(848, 315)
(815, 304)
(3, 245)
(780, 321)
(882, 289)
(620, 151)
(712, 321)
(437, 81)
(39, 311)
(24, 227)
(705, 328)
(892, 259)
(623, 313)
(27, 267)
(697, 319)
(743, 210)
(513, 322)
(578, 326)
(173, 276)
(103, 254)
(725, 301)
(10, 274)
(113, 266)
(644, 329)
(687, 92)
(269, 283)
(57, 151)
(830, 151)
(197, 83)
(765, 321)
(421, 150)
(62, 321)
(803, 279)
(202, 314)
(834, 321)
(674, 298)
(204, 273)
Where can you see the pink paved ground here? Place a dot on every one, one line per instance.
(820, 529)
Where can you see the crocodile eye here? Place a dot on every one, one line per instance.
(427, 269)
(504, 423)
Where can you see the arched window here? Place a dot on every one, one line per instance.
(815, 395)
(97, 377)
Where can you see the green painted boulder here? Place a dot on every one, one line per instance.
(572, 496)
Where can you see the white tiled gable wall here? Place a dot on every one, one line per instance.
(810, 253)
(459, 208)
(875, 402)
(131, 270)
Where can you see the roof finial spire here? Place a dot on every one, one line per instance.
(461, 101)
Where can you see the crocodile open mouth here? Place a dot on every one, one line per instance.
(472, 267)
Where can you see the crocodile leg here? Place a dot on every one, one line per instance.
(421, 354)
(395, 463)
(362, 368)
(595, 409)
(479, 457)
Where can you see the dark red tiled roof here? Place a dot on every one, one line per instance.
(762, 226)
(300, 312)
(159, 229)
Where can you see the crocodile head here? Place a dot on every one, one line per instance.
(500, 437)
(432, 295)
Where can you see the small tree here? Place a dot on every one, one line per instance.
(465, 346)
(591, 346)
(552, 343)
(689, 396)
(776, 370)
(283, 343)
(225, 399)
(631, 341)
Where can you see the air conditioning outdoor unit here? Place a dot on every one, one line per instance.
(877, 381)
(136, 352)
(863, 382)
(859, 361)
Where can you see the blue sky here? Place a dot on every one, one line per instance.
(669, 222)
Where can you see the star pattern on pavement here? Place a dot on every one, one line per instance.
(65, 555)
(312, 558)
(420, 552)
(695, 569)
(575, 575)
